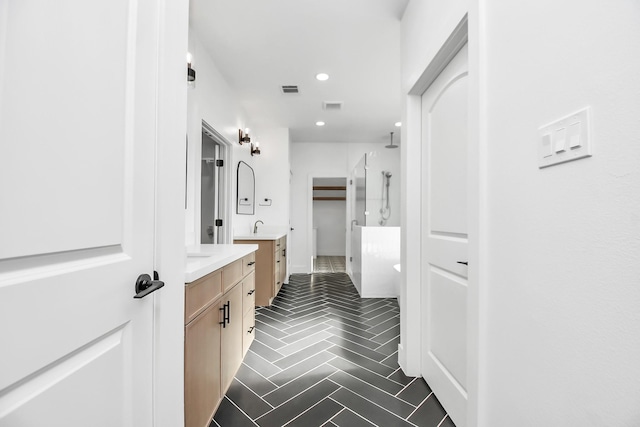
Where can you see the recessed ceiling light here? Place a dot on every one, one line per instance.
(322, 76)
(398, 124)
(319, 123)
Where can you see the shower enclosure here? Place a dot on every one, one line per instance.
(210, 191)
(375, 225)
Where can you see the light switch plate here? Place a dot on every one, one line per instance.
(570, 137)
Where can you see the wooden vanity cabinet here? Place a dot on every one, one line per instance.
(216, 337)
(270, 267)
(202, 363)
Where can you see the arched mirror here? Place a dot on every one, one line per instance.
(245, 204)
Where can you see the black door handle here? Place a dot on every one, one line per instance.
(251, 263)
(145, 286)
(251, 292)
(463, 262)
(251, 329)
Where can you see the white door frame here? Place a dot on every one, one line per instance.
(226, 208)
(409, 354)
(169, 259)
(310, 178)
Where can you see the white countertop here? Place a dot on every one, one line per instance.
(260, 236)
(204, 259)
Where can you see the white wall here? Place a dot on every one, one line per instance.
(563, 302)
(559, 294)
(322, 160)
(214, 101)
(330, 218)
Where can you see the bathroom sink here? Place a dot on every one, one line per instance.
(199, 254)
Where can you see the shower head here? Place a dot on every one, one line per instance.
(391, 144)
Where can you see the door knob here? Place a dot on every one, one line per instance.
(145, 286)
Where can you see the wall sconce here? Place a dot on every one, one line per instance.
(191, 73)
(255, 149)
(243, 136)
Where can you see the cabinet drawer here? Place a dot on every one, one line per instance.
(249, 292)
(248, 329)
(201, 293)
(279, 244)
(248, 263)
(231, 274)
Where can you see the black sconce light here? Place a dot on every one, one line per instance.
(191, 73)
(243, 136)
(255, 149)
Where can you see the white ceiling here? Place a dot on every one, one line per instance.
(260, 45)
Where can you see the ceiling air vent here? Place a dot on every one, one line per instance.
(332, 105)
(290, 89)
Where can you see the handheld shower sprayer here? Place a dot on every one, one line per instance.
(385, 209)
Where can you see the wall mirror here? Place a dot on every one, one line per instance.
(245, 204)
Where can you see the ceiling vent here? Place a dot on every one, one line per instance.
(290, 89)
(332, 105)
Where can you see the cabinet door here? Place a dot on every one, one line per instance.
(283, 261)
(277, 282)
(265, 272)
(231, 343)
(249, 293)
(248, 329)
(202, 367)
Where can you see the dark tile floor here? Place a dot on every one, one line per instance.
(323, 356)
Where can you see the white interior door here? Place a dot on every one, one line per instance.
(77, 137)
(444, 237)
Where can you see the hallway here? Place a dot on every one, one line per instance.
(329, 264)
(325, 357)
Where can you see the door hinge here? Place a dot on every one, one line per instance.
(219, 163)
(350, 259)
(350, 182)
(218, 223)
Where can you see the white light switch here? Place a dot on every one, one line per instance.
(565, 139)
(560, 140)
(547, 148)
(573, 135)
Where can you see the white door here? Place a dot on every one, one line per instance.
(77, 131)
(444, 237)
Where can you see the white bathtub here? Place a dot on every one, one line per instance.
(375, 250)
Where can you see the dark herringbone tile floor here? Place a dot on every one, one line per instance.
(323, 356)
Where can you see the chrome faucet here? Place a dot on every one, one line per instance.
(255, 226)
